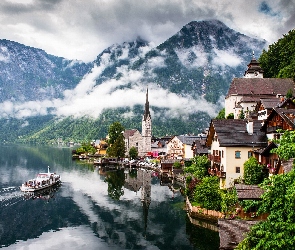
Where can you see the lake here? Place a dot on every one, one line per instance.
(93, 208)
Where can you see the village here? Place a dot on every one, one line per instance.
(265, 108)
(260, 110)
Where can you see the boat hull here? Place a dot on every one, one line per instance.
(25, 188)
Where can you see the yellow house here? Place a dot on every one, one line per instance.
(231, 143)
(102, 147)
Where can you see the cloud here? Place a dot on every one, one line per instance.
(91, 100)
(226, 58)
(81, 30)
(79, 237)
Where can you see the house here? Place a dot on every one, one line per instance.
(101, 148)
(180, 147)
(199, 147)
(279, 118)
(265, 106)
(245, 93)
(159, 146)
(270, 160)
(231, 142)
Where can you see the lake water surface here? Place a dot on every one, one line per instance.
(92, 209)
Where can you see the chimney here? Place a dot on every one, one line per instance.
(250, 127)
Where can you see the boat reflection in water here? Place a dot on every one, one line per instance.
(44, 194)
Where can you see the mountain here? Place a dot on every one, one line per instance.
(188, 76)
(29, 74)
(200, 60)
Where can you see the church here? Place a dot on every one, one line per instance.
(141, 141)
(246, 93)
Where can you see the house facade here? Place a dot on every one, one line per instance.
(231, 142)
(265, 106)
(181, 147)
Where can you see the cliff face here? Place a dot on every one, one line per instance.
(28, 74)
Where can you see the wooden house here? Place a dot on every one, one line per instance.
(265, 106)
(279, 118)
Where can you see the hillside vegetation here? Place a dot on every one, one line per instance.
(279, 60)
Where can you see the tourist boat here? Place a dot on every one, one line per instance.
(42, 181)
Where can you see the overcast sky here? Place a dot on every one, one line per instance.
(81, 29)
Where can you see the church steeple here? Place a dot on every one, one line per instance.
(147, 106)
(146, 127)
(254, 70)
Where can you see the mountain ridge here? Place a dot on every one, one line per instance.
(187, 75)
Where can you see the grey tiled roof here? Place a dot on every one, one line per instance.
(233, 132)
(249, 192)
(187, 139)
(270, 103)
(260, 86)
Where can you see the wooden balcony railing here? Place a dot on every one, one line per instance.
(215, 158)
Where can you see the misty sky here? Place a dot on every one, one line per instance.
(82, 29)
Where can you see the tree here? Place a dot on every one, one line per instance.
(286, 149)
(115, 130)
(289, 93)
(278, 200)
(199, 167)
(278, 230)
(242, 115)
(177, 165)
(253, 171)
(229, 200)
(230, 116)
(86, 147)
(279, 59)
(208, 193)
(133, 153)
(221, 114)
(116, 140)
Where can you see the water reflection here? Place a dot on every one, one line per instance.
(93, 208)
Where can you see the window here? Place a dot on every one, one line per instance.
(238, 170)
(249, 154)
(222, 153)
(238, 154)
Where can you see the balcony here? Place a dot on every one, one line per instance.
(215, 158)
(221, 174)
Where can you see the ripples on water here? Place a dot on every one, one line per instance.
(10, 196)
(81, 213)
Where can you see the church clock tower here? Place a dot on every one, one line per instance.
(147, 127)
